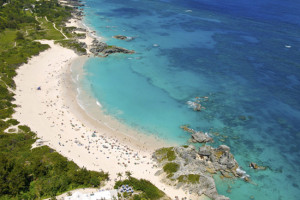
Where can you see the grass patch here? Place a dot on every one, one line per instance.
(7, 39)
(170, 168)
(166, 154)
(191, 178)
(47, 31)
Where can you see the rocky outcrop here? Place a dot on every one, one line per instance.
(197, 136)
(72, 3)
(102, 49)
(196, 167)
(120, 37)
(201, 137)
(255, 166)
(80, 29)
(123, 37)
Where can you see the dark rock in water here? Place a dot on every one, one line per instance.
(201, 137)
(295, 185)
(102, 49)
(197, 136)
(255, 166)
(246, 179)
(120, 37)
(242, 117)
(114, 49)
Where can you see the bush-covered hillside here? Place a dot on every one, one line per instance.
(27, 173)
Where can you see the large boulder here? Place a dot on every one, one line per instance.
(201, 137)
(223, 148)
(205, 151)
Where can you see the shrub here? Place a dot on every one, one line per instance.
(24, 128)
(19, 36)
(13, 122)
(191, 178)
(171, 168)
(166, 153)
(149, 191)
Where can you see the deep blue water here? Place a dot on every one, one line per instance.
(243, 55)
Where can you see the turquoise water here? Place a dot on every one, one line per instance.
(244, 56)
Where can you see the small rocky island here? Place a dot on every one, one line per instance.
(123, 37)
(102, 49)
(197, 136)
(191, 169)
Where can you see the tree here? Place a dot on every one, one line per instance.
(128, 174)
(19, 36)
(119, 175)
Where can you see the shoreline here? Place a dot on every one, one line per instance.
(95, 115)
(54, 115)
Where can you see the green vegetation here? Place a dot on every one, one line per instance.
(41, 172)
(170, 168)
(145, 188)
(191, 178)
(165, 154)
(110, 46)
(46, 31)
(72, 44)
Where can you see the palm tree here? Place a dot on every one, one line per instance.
(119, 175)
(128, 174)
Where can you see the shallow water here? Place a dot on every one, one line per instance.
(244, 56)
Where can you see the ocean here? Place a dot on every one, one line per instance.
(242, 56)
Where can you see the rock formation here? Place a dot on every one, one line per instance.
(120, 37)
(255, 166)
(195, 167)
(102, 49)
(197, 136)
(123, 37)
(201, 137)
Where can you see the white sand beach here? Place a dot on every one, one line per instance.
(54, 115)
